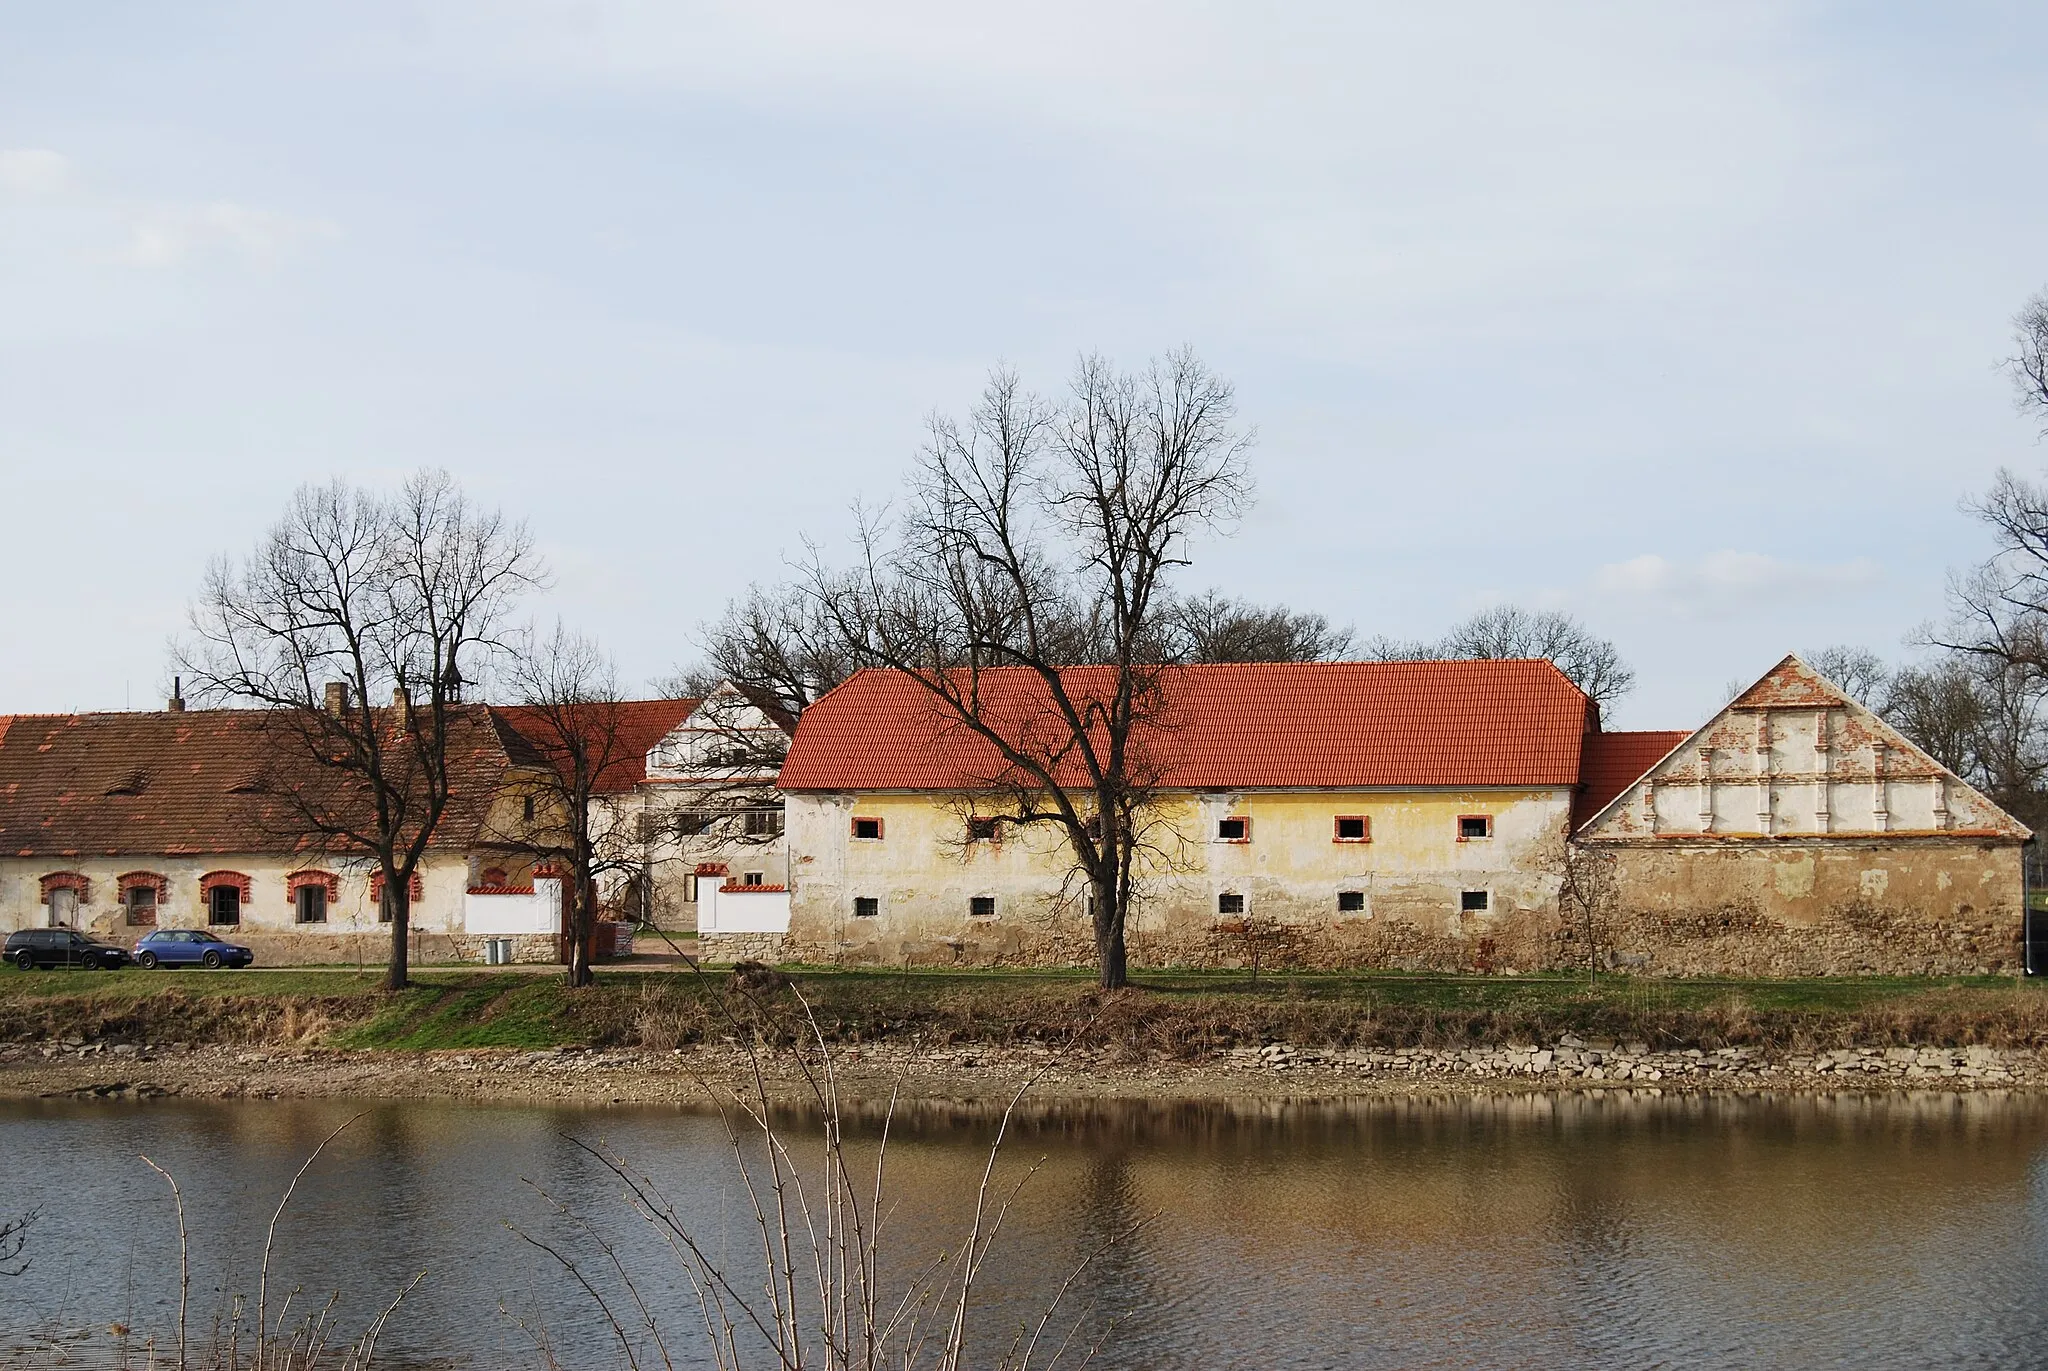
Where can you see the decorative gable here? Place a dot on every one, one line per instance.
(726, 737)
(1793, 757)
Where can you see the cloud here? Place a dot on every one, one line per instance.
(169, 235)
(1727, 577)
(34, 173)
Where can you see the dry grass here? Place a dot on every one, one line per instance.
(1181, 1017)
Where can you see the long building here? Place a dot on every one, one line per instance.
(1409, 814)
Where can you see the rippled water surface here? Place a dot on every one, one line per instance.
(1527, 1232)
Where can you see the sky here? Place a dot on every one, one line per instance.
(1685, 319)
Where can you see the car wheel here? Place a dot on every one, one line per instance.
(212, 961)
(146, 960)
(25, 959)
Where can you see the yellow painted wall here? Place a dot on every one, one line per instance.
(925, 874)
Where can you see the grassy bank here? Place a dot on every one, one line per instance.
(1176, 1015)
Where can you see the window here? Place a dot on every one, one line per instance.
(310, 903)
(529, 809)
(866, 906)
(140, 902)
(224, 905)
(763, 823)
(1230, 904)
(142, 892)
(751, 878)
(868, 830)
(1351, 902)
(1473, 902)
(982, 907)
(984, 830)
(1353, 828)
(1233, 830)
(691, 822)
(1472, 826)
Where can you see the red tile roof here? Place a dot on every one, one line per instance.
(172, 783)
(1616, 761)
(1227, 726)
(639, 725)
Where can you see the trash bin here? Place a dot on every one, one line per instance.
(497, 951)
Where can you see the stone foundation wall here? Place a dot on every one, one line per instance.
(747, 947)
(527, 948)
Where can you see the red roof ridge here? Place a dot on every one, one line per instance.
(1237, 725)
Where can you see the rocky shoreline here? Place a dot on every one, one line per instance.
(79, 1069)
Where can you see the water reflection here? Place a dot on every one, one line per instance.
(1526, 1230)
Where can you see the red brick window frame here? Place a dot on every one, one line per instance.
(218, 878)
(142, 912)
(1351, 828)
(74, 881)
(872, 825)
(1468, 823)
(1234, 828)
(293, 882)
(984, 830)
(416, 886)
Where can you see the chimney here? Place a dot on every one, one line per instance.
(337, 698)
(402, 702)
(176, 704)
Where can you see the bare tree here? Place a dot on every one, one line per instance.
(1860, 673)
(1508, 631)
(570, 708)
(1026, 519)
(355, 596)
(1211, 627)
(2029, 363)
(1588, 892)
(776, 645)
(14, 1260)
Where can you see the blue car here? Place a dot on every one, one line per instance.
(188, 947)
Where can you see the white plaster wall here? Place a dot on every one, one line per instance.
(741, 910)
(444, 879)
(538, 912)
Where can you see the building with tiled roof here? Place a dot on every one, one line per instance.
(1798, 833)
(1394, 813)
(121, 822)
(1400, 814)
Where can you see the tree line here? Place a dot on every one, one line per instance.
(1036, 533)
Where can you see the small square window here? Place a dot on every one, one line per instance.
(1353, 828)
(1233, 830)
(1473, 901)
(984, 830)
(868, 830)
(1472, 826)
(751, 878)
(866, 906)
(982, 907)
(1351, 902)
(1230, 904)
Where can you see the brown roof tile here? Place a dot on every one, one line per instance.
(186, 782)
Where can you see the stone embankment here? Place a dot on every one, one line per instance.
(958, 1072)
(1574, 1060)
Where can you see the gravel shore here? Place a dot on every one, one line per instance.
(872, 1073)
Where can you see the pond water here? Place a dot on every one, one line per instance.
(1535, 1231)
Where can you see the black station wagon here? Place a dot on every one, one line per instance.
(66, 947)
